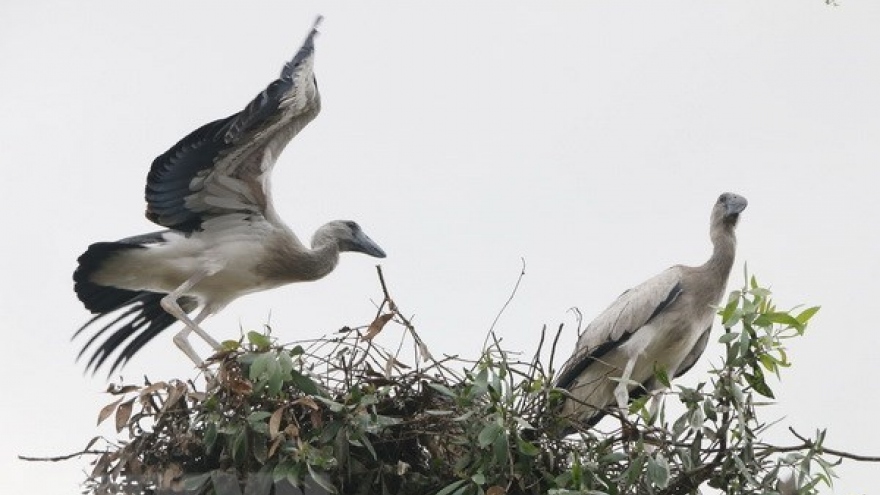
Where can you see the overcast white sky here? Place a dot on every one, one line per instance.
(590, 138)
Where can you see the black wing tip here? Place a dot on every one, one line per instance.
(142, 319)
(306, 50)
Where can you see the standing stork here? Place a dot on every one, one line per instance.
(664, 323)
(224, 238)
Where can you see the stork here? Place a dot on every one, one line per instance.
(661, 324)
(223, 237)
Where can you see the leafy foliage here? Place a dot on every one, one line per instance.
(343, 415)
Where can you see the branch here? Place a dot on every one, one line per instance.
(809, 444)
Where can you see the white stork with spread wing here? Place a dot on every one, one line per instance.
(662, 324)
(224, 238)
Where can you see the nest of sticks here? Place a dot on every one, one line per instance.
(339, 414)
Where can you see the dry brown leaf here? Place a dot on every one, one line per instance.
(308, 402)
(123, 414)
(107, 410)
(101, 466)
(239, 386)
(275, 423)
(197, 396)
(292, 431)
(152, 388)
(170, 475)
(174, 395)
(377, 325)
(426, 354)
(317, 420)
(496, 490)
(274, 447)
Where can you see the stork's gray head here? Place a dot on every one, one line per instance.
(349, 237)
(729, 206)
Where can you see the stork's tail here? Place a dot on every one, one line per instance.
(140, 318)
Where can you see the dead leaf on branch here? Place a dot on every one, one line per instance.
(107, 410)
(377, 325)
(123, 414)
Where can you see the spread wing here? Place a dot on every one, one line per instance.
(630, 312)
(224, 166)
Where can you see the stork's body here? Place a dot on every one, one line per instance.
(661, 324)
(224, 239)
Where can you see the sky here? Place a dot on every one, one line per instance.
(589, 139)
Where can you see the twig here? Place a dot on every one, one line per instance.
(506, 303)
(550, 370)
(61, 457)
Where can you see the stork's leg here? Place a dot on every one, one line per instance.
(621, 391)
(181, 340)
(169, 304)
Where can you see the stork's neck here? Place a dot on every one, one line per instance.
(288, 260)
(724, 249)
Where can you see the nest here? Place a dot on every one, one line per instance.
(342, 415)
(337, 415)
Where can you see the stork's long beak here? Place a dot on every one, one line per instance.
(364, 244)
(735, 206)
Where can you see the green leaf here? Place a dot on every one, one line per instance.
(276, 379)
(286, 363)
(304, 383)
(756, 381)
(451, 487)
(240, 447)
(194, 482)
(443, 390)
(260, 367)
(634, 471)
(286, 470)
(262, 342)
(760, 292)
(806, 314)
(210, 436)
(333, 406)
(258, 416)
(527, 448)
(658, 471)
(768, 362)
(781, 318)
(435, 412)
(613, 458)
(730, 308)
(479, 478)
(464, 417)
(481, 383)
(229, 345)
(320, 479)
(499, 448)
(488, 434)
(662, 376)
(709, 410)
(728, 337)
